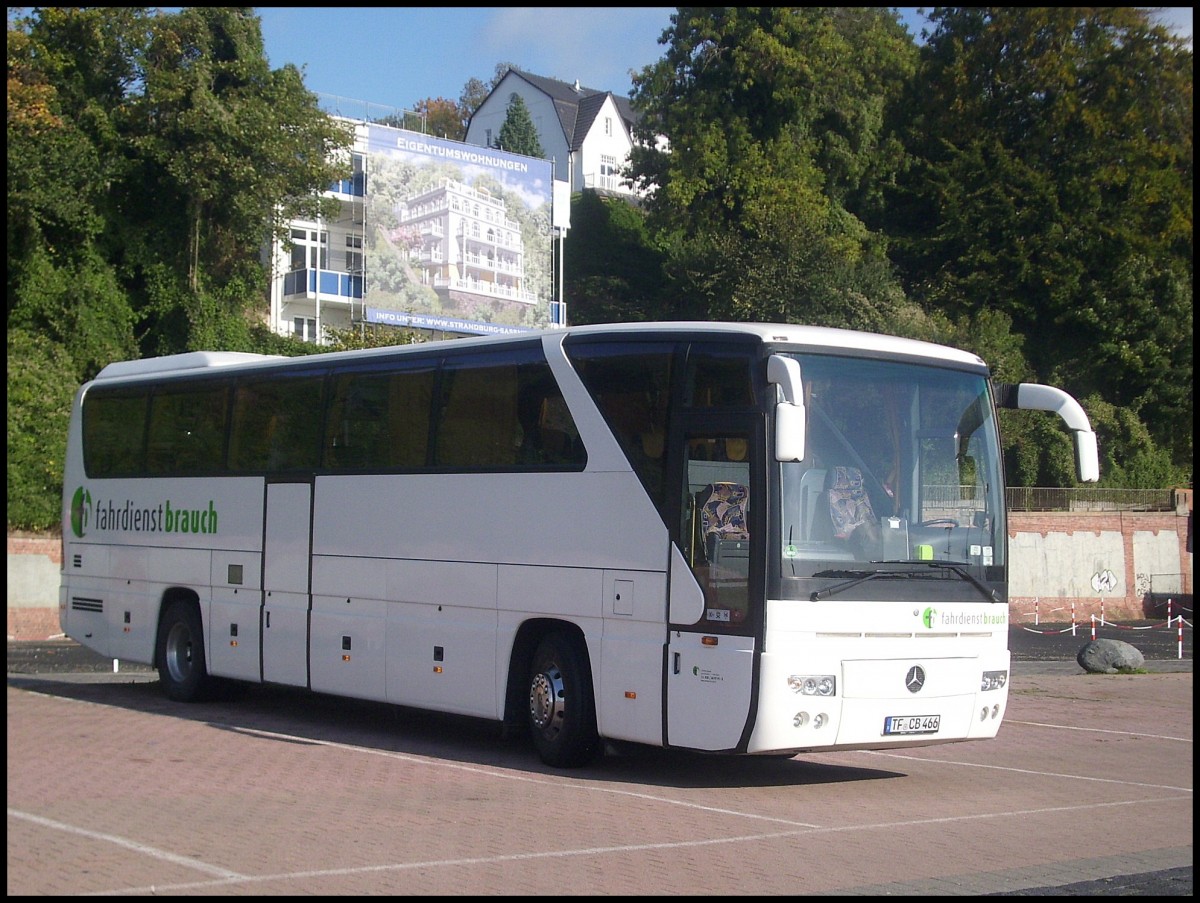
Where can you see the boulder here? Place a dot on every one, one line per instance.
(1109, 657)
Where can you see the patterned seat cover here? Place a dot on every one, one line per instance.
(849, 505)
(724, 513)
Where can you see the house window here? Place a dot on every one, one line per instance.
(608, 126)
(310, 251)
(354, 257)
(304, 328)
(608, 171)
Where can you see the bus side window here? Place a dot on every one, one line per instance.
(632, 389)
(477, 426)
(187, 430)
(275, 427)
(356, 425)
(410, 401)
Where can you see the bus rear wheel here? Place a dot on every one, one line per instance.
(182, 669)
(562, 708)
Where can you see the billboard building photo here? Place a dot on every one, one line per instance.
(434, 234)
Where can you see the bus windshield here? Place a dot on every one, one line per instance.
(901, 476)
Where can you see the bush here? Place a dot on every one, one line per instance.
(41, 386)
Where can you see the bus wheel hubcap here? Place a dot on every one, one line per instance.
(179, 653)
(546, 699)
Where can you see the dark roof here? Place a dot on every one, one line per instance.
(576, 105)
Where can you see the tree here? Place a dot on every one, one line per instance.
(476, 91)
(443, 118)
(220, 146)
(150, 156)
(1052, 181)
(518, 134)
(774, 142)
(613, 272)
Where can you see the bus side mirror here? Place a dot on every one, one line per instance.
(1036, 397)
(1087, 456)
(784, 372)
(789, 432)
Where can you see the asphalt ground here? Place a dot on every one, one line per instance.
(1044, 673)
(1163, 648)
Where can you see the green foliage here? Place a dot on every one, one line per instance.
(1051, 180)
(1020, 186)
(476, 91)
(774, 144)
(41, 385)
(517, 133)
(613, 271)
(374, 336)
(1129, 457)
(76, 302)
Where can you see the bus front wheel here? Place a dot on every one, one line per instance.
(562, 709)
(182, 669)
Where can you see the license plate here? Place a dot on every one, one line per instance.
(911, 724)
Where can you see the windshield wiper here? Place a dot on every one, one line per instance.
(857, 577)
(969, 577)
(860, 577)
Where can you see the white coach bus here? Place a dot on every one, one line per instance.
(737, 538)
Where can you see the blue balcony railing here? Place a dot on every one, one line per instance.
(342, 285)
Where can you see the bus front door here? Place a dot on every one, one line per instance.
(710, 652)
(287, 545)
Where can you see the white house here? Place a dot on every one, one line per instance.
(586, 133)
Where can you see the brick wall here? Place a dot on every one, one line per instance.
(1143, 557)
(1054, 558)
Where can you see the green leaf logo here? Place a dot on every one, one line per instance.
(81, 512)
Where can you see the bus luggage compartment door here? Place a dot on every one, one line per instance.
(708, 689)
(286, 549)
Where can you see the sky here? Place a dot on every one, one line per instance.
(397, 56)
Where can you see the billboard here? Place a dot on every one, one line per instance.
(456, 237)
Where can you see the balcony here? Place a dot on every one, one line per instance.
(326, 283)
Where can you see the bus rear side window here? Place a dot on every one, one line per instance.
(114, 432)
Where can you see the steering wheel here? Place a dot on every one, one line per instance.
(940, 522)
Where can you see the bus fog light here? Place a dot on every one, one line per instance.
(819, 720)
(983, 714)
(813, 684)
(996, 710)
(800, 720)
(993, 680)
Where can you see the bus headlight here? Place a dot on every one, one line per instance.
(813, 684)
(993, 680)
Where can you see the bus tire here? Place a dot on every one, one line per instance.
(562, 707)
(182, 669)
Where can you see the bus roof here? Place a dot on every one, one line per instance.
(785, 334)
(191, 360)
